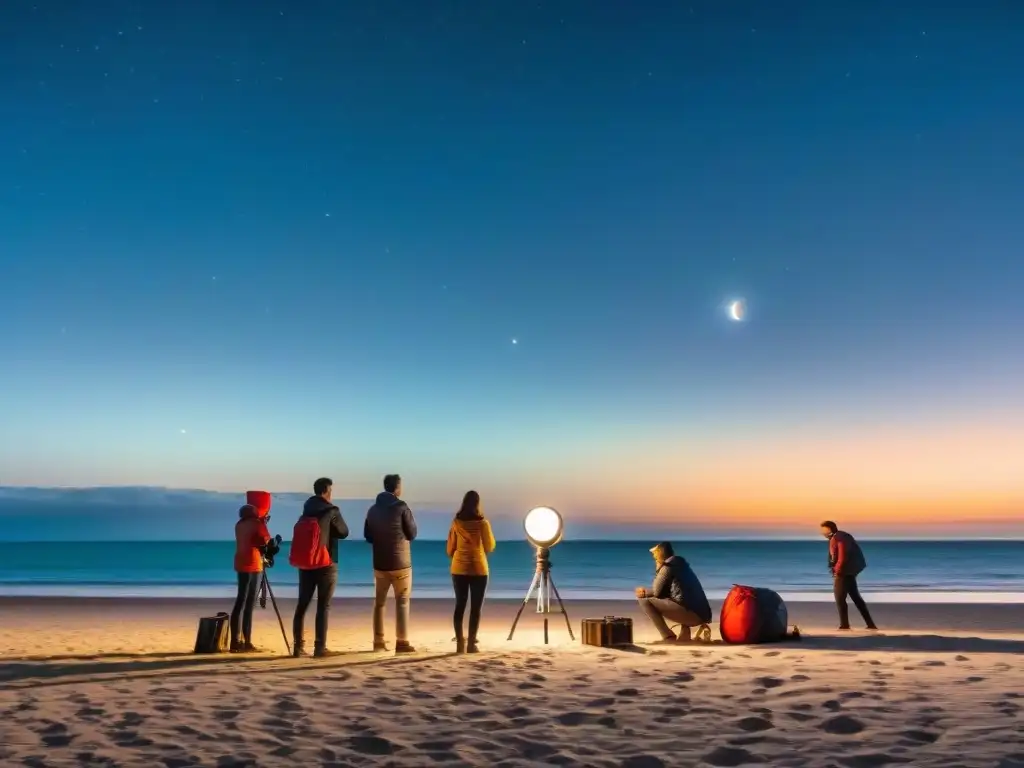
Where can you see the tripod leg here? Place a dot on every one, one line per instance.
(561, 607)
(280, 621)
(544, 600)
(529, 594)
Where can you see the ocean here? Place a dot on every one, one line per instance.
(898, 571)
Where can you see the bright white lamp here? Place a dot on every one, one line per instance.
(543, 527)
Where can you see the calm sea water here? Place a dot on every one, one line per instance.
(932, 571)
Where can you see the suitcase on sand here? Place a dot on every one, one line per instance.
(214, 635)
(609, 632)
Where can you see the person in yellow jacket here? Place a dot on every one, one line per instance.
(470, 540)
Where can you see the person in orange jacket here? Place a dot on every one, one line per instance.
(251, 537)
(470, 540)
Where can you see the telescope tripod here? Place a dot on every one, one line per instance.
(545, 585)
(262, 592)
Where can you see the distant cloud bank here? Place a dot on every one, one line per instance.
(146, 513)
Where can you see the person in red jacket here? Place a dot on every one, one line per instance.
(845, 561)
(251, 536)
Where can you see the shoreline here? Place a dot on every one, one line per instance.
(71, 591)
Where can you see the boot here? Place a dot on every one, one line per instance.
(298, 650)
(379, 646)
(472, 647)
(404, 646)
(321, 652)
(460, 645)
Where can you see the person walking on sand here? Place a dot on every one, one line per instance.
(251, 536)
(390, 527)
(845, 561)
(314, 551)
(470, 540)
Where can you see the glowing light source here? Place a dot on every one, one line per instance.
(543, 527)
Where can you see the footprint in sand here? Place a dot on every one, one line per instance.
(769, 682)
(577, 718)
(842, 725)
(872, 760)
(729, 757)
(643, 761)
(371, 745)
(55, 735)
(754, 724)
(627, 692)
(920, 737)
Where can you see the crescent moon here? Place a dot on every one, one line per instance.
(736, 309)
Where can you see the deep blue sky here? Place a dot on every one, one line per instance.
(244, 244)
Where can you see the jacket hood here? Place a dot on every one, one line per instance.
(316, 506)
(261, 500)
(385, 499)
(247, 512)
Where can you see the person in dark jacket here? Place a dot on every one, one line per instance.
(676, 595)
(845, 562)
(319, 581)
(390, 527)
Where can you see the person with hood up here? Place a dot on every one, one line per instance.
(314, 551)
(390, 527)
(676, 595)
(470, 540)
(251, 536)
(846, 561)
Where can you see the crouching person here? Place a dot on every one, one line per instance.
(675, 596)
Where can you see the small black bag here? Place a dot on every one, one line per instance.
(609, 632)
(214, 635)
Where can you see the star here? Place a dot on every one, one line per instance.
(515, 341)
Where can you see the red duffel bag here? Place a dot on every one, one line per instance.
(753, 615)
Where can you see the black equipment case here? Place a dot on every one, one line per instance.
(214, 635)
(609, 632)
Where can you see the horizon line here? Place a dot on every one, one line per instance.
(645, 541)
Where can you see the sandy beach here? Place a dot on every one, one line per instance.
(112, 682)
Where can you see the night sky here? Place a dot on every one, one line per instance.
(490, 245)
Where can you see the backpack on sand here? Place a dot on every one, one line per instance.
(307, 552)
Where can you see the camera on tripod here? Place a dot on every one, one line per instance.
(270, 550)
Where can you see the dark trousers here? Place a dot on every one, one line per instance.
(846, 586)
(241, 614)
(469, 589)
(320, 581)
